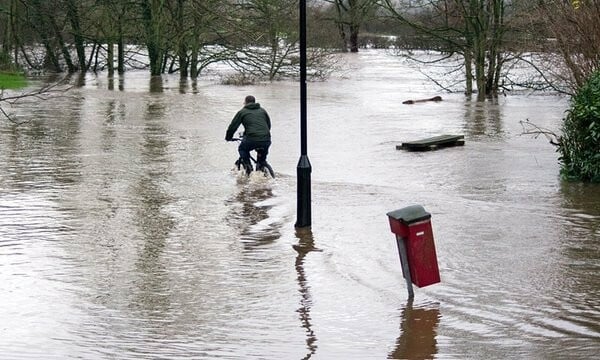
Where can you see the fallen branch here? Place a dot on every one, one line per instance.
(435, 98)
(530, 128)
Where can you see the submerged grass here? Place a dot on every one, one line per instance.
(12, 80)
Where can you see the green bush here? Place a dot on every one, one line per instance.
(580, 142)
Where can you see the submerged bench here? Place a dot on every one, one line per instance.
(432, 143)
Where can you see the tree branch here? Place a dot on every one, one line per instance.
(43, 93)
(530, 128)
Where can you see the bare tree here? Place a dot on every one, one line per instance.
(77, 32)
(265, 42)
(41, 21)
(574, 32)
(473, 29)
(350, 15)
(154, 19)
(258, 37)
(106, 28)
(8, 34)
(208, 30)
(197, 25)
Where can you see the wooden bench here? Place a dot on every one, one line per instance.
(432, 143)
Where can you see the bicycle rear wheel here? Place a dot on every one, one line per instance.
(247, 168)
(267, 170)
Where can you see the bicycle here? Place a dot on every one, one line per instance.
(261, 165)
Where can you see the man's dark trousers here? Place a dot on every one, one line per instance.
(248, 145)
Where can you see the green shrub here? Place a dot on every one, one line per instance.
(580, 142)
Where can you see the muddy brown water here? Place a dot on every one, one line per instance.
(124, 234)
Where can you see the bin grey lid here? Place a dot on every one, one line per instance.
(410, 214)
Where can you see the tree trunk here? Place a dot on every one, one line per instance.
(480, 73)
(120, 52)
(50, 60)
(110, 57)
(496, 8)
(194, 59)
(181, 40)
(73, 15)
(14, 14)
(195, 47)
(41, 26)
(343, 40)
(164, 62)
(61, 43)
(478, 29)
(6, 43)
(152, 17)
(354, 28)
(468, 57)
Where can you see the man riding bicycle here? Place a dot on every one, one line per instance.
(257, 131)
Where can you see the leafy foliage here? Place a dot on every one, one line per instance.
(580, 143)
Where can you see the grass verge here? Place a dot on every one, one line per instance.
(12, 80)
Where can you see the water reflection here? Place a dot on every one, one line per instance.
(115, 112)
(184, 85)
(120, 80)
(67, 161)
(418, 331)
(19, 143)
(156, 84)
(580, 239)
(581, 197)
(581, 205)
(80, 82)
(154, 223)
(77, 79)
(249, 212)
(305, 245)
(483, 118)
(46, 154)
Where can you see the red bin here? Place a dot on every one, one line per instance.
(413, 225)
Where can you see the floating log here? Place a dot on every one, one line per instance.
(433, 143)
(435, 99)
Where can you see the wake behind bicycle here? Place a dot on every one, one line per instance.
(260, 164)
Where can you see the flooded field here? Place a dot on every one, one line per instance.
(125, 234)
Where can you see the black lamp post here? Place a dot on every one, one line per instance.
(303, 169)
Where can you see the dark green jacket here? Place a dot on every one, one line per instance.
(256, 121)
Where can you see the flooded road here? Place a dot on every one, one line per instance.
(124, 233)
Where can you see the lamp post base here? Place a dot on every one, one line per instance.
(304, 212)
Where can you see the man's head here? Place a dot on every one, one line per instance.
(249, 100)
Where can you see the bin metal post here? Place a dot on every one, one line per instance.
(404, 262)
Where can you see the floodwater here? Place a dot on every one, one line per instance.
(124, 234)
